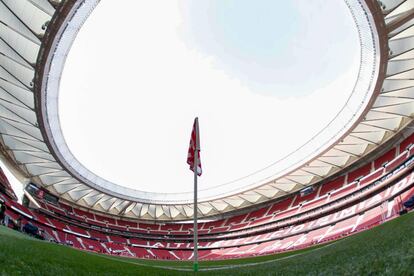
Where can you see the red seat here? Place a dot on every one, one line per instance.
(81, 213)
(407, 142)
(397, 161)
(140, 252)
(280, 206)
(78, 230)
(263, 232)
(256, 214)
(118, 239)
(302, 199)
(385, 158)
(235, 220)
(93, 245)
(125, 223)
(332, 185)
(98, 235)
(359, 173)
(371, 177)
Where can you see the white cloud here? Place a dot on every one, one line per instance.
(131, 88)
(17, 185)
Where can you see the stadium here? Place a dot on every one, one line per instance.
(282, 191)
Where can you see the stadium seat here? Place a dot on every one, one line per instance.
(330, 212)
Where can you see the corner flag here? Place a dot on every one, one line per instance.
(193, 159)
(194, 146)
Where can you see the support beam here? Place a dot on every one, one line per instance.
(401, 20)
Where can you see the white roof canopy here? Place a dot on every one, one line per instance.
(35, 36)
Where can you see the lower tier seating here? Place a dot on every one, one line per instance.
(365, 212)
(323, 195)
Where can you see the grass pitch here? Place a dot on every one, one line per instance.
(386, 249)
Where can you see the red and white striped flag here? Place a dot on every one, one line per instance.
(194, 145)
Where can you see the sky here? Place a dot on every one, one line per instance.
(262, 76)
(16, 184)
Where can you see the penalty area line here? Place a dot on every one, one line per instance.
(141, 264)
(223, 267)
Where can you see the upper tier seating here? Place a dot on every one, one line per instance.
(291, 206)
(351, 203)
(366, 212)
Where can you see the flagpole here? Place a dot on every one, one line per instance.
(195, 265)
(195, 228)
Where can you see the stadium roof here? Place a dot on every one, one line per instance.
(36, 35)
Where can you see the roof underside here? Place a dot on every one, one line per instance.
(23, 25)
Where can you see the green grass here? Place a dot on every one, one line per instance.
(386, 249)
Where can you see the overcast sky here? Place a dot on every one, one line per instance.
(262, 76)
